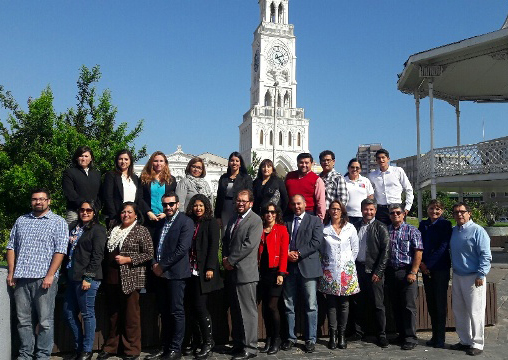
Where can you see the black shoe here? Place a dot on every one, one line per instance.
(274, 347)
(355, 337)
(157, 355)
(104, 355)
(187, 350)
(473, 351)
(430, 342)
(382, 342)
(130, 357)
(84, 355)
(205, 351)
(172, 355)
(244, 356)
(408, 346)
(332, 343)
(287, 345)
(459, 346)
(310, 347)
(268, 342)
(341, 340)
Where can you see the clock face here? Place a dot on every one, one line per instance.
(256, 61)
(278, 55)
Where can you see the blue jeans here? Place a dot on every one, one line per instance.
(78, 300)
(35, 305)
(295, 285)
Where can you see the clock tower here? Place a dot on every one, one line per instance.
(274, 127)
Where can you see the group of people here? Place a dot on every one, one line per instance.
(343, 238)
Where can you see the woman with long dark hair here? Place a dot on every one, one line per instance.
(235, 179)
(204, 264)
(120, 185)
(81, 182)
(269, 188)
(340, 280)
(129, 248)
(272, 259)
(84, 273)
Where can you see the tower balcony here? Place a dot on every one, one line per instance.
(282, 112)
(275, 29)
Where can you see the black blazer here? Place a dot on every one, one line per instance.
(273, 191)
(175, 250)
(146, 204)
(112, 193)
(89, 252)
(78, 187)
(207, 249)
(242, 182)
(308, 244)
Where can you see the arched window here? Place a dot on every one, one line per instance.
(272, 12)
(271, 137)
(268, 99)
(299, 140)
(279, 100)
(289, 138)
(280, 138)
(286, 99)
(281, 14)
(261, 135)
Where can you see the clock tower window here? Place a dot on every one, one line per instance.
(280, 138)
(281, 14)
(271, 137)
(299, 140)
(272, 12)
(261, 135)
(289, 138)
(286, 99)
(268, 99)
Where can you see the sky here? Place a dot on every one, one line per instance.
(184, 67)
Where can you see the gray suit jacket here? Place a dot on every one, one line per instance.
(308, 243)
(242, 248)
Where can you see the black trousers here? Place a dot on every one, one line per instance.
(338, 311)
(403, 298)
(369, 300)
(196, 311)
(170, 294)
(383, 215)
(436, 294)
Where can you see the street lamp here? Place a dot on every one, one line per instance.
(274, 120)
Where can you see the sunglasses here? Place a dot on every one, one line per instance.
(273, 212)
(395, 212)
(86, 210)
(170, 204)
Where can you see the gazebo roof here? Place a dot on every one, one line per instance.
(474, 69)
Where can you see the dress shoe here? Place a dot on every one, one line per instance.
(274, 346)
(244, 356)
(439, 345)
(84, 355)
(408, 346)
(268, 342)
(206, 349)
(459, 346)
(104, 355)
(430, 342)
(382, 342)
(157, 355)
(473, 351)
(310, 347)
(130, 357)
(172, 355)
(287, 345)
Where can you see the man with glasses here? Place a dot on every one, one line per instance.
(335, 185)
(240, 259)
(471, 257)
(36, 248)
(406, 250)
(389, 183)
(173, 240)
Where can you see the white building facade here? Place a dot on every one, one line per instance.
(274, 127)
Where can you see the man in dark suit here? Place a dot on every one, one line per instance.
(304, 268)
(239, 249)
(173, 239)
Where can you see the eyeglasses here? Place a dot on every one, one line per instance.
(86, 210)
(355, 167)
(170, 204)
(242, 201)
(461, 212)
(196, 167)
(39, 199)
(395, 212)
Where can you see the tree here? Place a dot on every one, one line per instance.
(36, 145)
(253, 167)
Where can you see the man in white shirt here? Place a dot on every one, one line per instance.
(389, 183)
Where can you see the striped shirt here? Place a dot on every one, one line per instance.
(335, 187)
(403, 243)
(34, 241)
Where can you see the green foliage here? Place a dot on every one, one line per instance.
(37, 145)
(253, 167)
(426, 197)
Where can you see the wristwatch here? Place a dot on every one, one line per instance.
(412, 273)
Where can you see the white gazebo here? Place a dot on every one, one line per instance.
(474, 69)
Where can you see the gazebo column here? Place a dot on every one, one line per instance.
(459, 150)
(418, 156)
(433, 190)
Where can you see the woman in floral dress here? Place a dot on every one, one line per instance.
(338, 254)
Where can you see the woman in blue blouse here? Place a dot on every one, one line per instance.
(435, 267)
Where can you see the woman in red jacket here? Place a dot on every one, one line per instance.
(272, 259)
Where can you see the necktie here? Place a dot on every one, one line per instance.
(236, 224)
(296, 225)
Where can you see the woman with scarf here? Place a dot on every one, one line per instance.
(193, 183)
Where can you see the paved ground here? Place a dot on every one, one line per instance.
(496, 346)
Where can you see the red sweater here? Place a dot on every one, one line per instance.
(305, 186)
(277, 243)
